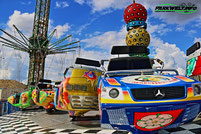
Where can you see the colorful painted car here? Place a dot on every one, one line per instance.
(43, 95)
(22, 100)
(193, 67)
(77, 94)
(137, 98)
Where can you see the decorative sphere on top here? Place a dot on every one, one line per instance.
(138, 37)
(135, 12)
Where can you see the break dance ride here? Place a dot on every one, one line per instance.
(77, 93)
(136, 97)
(22, 100)
(43, 95)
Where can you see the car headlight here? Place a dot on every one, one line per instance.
(114, 93)
(197, 89)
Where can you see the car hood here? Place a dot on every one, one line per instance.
(143, 81)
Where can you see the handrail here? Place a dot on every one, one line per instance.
(142, 71)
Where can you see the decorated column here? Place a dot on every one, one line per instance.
(135, 16)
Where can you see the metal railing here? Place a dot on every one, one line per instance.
(7, 108)
(140, 72)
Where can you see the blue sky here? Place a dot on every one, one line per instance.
(99, 25)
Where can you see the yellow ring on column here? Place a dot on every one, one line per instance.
(138, 37)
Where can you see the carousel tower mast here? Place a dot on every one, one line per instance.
(38, 45)
(39, 42)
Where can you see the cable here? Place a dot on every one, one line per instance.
(49, 66)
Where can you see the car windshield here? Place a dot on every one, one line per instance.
(141, 72)
(69, 72)
(129, 63)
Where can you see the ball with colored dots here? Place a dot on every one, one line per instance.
(135, 12)
(138, 37)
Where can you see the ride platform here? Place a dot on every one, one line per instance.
(38, 121)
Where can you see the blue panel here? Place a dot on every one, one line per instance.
(7, 108)
(190, 111)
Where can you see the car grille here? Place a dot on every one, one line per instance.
(159, 93)
(84, 102)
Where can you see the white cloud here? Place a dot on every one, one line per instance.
(197, 39)
(180, 28)
(190, 32)
(5, 71)
(61, 30)
(84, 26)
(94, 54)
(61, 4)
(26, 3)
(107, 39)
(169, 17)
(23, 21)
(198, 22)
(56, 64)
(80, 1)
(170, 54)
(160, 29)
(13, 63)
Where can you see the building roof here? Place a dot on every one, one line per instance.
(11, 84)
(10, 87)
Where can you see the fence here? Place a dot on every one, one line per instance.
(7, 108)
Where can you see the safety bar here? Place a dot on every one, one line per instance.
(141, 71)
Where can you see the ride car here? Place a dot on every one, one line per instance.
(43, 95)
(77, 93)
(22, 100)
(135, 97)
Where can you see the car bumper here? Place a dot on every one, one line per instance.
(124, 116)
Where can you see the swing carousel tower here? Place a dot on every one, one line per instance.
(38, 46)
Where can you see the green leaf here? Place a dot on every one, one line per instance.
(158, 115)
